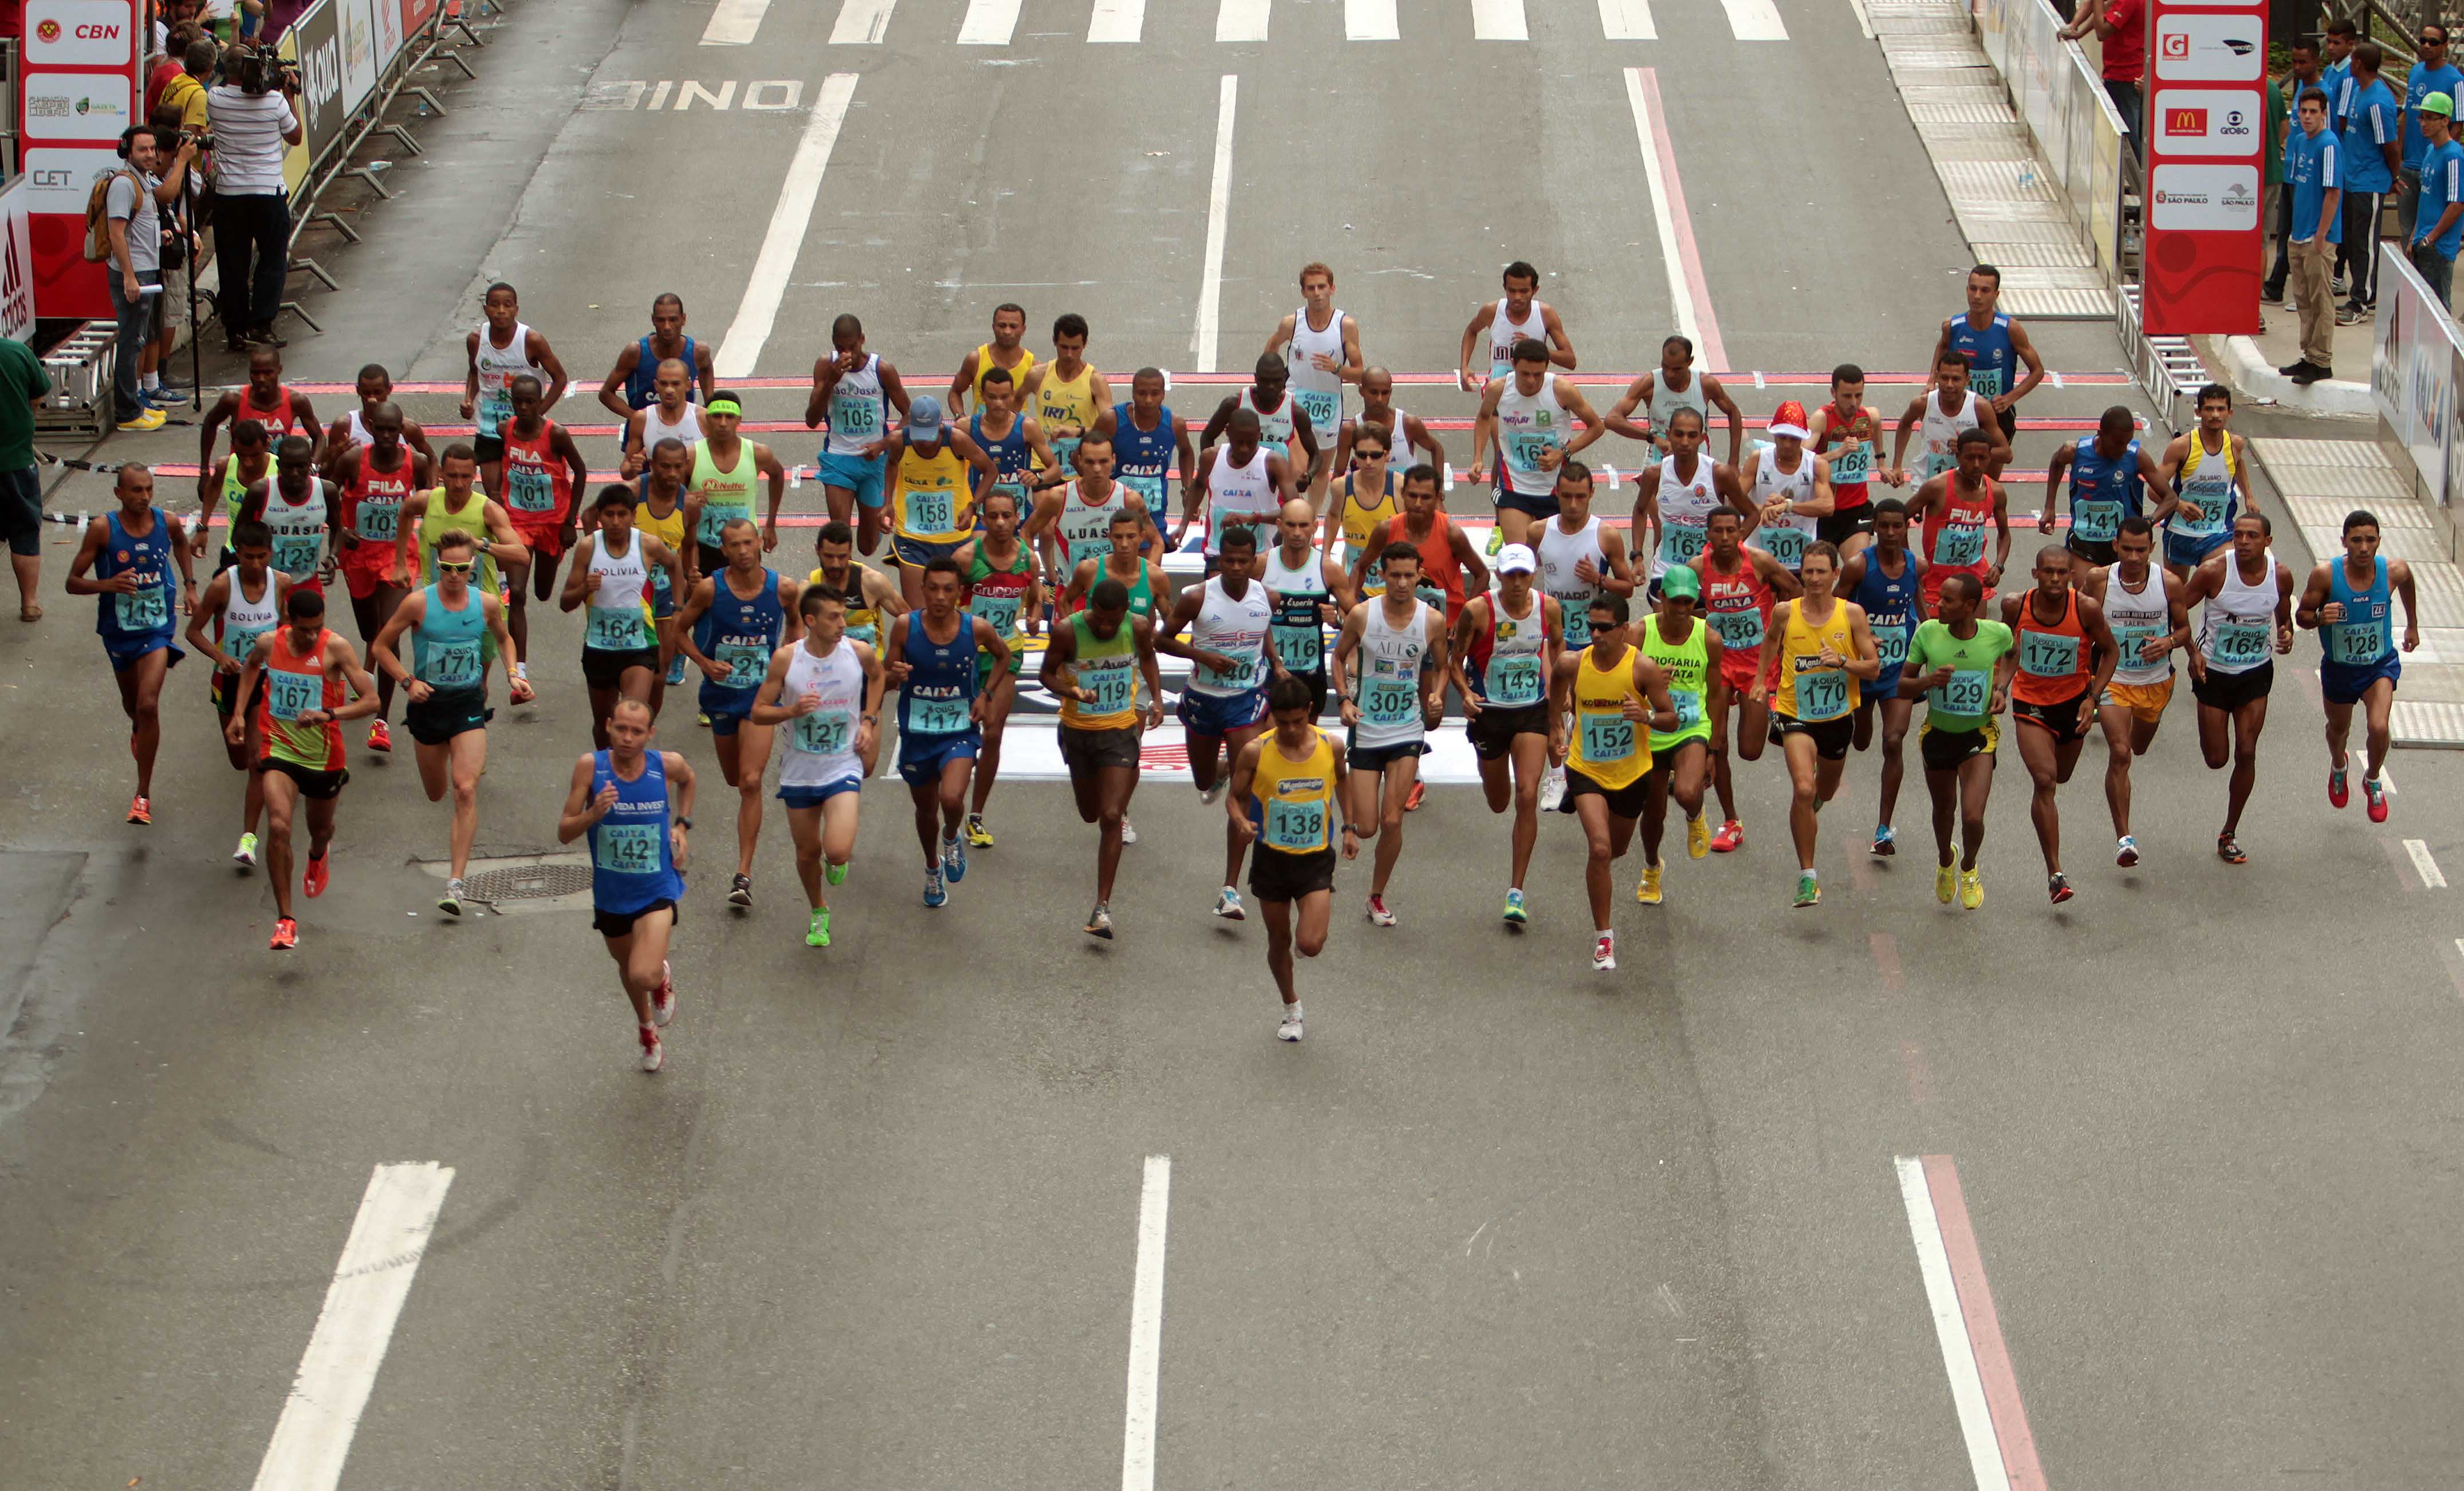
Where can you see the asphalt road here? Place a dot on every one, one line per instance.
(1499, 1220)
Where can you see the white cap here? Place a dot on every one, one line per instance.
(1517, 559)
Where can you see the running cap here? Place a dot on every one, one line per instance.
(724, 401)
(2439, 103)
(1789, 419)
(924, 419)
(1517, 559)
(1682, 583)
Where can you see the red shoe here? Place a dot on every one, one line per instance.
(140, 811)
(2338, 793)
(653, 1055)
(312, 880)
(380, 738)
(2376, 795)
(286, 935)
(1412, 803)
(1731, 838)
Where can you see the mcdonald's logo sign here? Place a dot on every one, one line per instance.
(2186, 122)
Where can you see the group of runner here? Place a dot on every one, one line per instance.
(1601, 670)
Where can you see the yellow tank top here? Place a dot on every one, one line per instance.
(1808, 690)
(436, 522)
(1609, 748)
(1071, 402)
(1360, 517)
(863, 622)
(668, 529)
(1296, 796)
(985, 364)
(933, 505)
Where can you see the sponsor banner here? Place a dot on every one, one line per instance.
(2204, 198)
(318, 36)
(77, 106)
(2192, 46)
(357, 22)
(2414, 358)
(17, 263)
(2207, 122)
(2204, 132)
(76, 94)
(78, 34)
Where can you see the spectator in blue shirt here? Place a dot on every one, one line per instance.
(2442, 198)
(2342, 34)
(2370, 152)
(2304, 75)
(2432, 74)
(2318, 227)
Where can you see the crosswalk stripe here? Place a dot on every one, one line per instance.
(1755, 20)
(989, 23)
(1627, 20)
(861, 22)
(1116, 20)
(733, 22)
(1499, 20)
(994, 23)
(1242, 20)
(1370, 20)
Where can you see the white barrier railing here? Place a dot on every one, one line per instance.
(2058, 97)
(2416, 363)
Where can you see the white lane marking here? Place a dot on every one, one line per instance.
(1116, 20)
(1676, 229)
(1146, 1329)
(2424, 866)
(1950, 1329)
(1242, 20)
(759, 311)
(733, 22)
(1754, 20)
(1370, 20)
(1499, 20)
(1218, 200)
(1627, 20)
(397, 1216)
(988, 23)
(2387, 780)
(861, 22)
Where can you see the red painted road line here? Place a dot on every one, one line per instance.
(1886, 949)
(1121, 380)
(1984, 1326)
(1713, 351)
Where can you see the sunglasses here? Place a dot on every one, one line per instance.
(462, 568)
(2433, 41)
(1360, 457)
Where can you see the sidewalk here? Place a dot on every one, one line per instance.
(2248, 366)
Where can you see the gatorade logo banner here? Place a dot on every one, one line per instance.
(2206, 136)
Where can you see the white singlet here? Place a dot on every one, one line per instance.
(1274, 431)
(243, 621)
(1296, 591)
(1085, 528)
(1662, 401)
(2238, 626)
(1941, 433)
(1320, 395)
(1527, 426)
(1685, 508)
(1387, 681)
(821, 746)
(1785, 540)
(1237, 494)
(655, 428)
(1401, 453)
(1237, 629)
(1503, 333)
(857, 410)
(616, 619)
(2136, 617)
(1560, 552)
(1515, 676)
(499, 368)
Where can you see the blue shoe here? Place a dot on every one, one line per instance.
(676, 672)
(954, 858)
(936, 895)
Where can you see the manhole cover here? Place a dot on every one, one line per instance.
(527, 883)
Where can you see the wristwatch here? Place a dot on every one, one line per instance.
(683, 821)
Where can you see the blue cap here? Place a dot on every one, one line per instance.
(924, 420)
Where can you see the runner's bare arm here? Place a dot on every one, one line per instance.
(1469, 625)
(1353, 364)
(541, 355)
(384, 653)
(2400, 581)
(1483, 431)
(1620, 416)
(504, 545)
(1716, 394)
(1465, 374)
(576, 576)
(826, 377)
(1824, 501)
(1561, 347)
(1282, 334)
(611, 397)
(1304, 433)
(471, 375)
(1142, 635)
(1898, 474)
(343, 660)
(579, 810)
(1475, 568)
(960, 385)
(2026, 347)
(1238, 801)
(1594, 426)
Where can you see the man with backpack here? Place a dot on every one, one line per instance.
(124, 232)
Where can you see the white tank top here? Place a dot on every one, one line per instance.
(1086, 527)
(1941, 433)
(1784, 539)
(1319, 394)
(1237, 629)
(1515, 676)
(360, 431)
(2237, 627)
(1304, 579)
(1685, 508)
(1399, 456)
(1664, 401)
(821, 746)
(1237, 494)
(856, 409)
(1503, 333)
(2135, 618)
(499, 366)
(615, 621)
(655, 428)
(1559, 553)
(1526, 426)
(244, 621)
(1274, 431)
(299, 531)
(1388, 684)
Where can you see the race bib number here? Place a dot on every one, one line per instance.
(1821, 693)
(1065, 452)
(531, 488)
(825, 732)
(1607, 738)
(377, 519)
(295, 554)
(855, 416)
(1297, 827)
(932, 512)
(615, 629)
(2045, 655)
(1301, 646)
(1892, 648)
(1524, 449)
(1514, 682)
(144, 610)
(2354, 644)
(2096, 522)
(1742, 629)
(715, 518)
(1680, 543)
(1391, 701)
(1785, 543)
(1110, 681)
(2133, 644)
(1966, 692)
(2240, 642)
(937, 716)
(1149, 486)
(747, 662)
(1246, 665)
(290, 695)
(1324, 408)
(2209, 522)
(1578, 622)
(450, 664)
(1689, 708)
(1852, 463)
(1959, 544)
(1002, 611)
(496, 407)
(241, 641)
(1081, 550)
(625, 849)
(1986, 383)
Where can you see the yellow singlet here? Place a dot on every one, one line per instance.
(1071, 402)
(985, 364)
(1298, 797)
(1609, 748)
(933, 504)
(1808, 690)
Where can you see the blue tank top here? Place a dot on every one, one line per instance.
(1141, 459)
(941, 688)
(1010, 454)
(640, 385)
(2367, 635)
(1890, 603)
(633, 859)
(145, 614)
(445, 646)
(741, 634)
(1989, 352)
(2103, 492)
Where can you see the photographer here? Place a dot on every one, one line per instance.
(136, 276)
(252, 124)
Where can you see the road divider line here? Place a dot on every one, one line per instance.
(862, 23)
(1627, 20)
(988, 23)
(1146, 1327)
(1958, 1356)
(733, 23)
(1499, 20)
(313, 1437)
(2011, 1464)
(1242, 20)
(1370, 20)
(1676, 250)
(1755, 20)
(1218, 202)
(1116, 21)
(759, 311)
(2424, 866)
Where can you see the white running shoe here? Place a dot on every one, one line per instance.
(1604, 953)
(1378, 913)
(1129, 832)
(1552, 789)
(1210, 795)
(1290, 1028)
(1228, 905)
(663, 999)
(654, 1055)
(245, 856)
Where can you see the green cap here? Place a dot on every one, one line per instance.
(1681, 582)
(2439, 103)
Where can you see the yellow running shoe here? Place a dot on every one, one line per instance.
(1946, 883)
(1698, 836)
(1648, 892)
(1971, 890)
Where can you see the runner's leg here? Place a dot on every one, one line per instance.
(1393, 790)
(469, 761)
(2378, 703)
(1976, 785)
(2036, 753)
(1530, 757)
(2247, 723)
(2115, 719)
(805, 827)
(281, 796)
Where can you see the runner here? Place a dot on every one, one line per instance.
(2110, 479)
(2351, 605)
(298, 507)
(1994, 346)
(854, 390)
(1003, 351)
(665, 508)
(1241, 483)
(1382, 659)
(2231, 667)
(539, 470)
(731, 626)
(1789, 489)
(1889, 581)
(2203, 468)
(1963, 665)
(1739, 585)
(243, 603)
(1147, 583)
(1281, 424)
(1504, 653)
(1520, 316)
(726, 468)
(1309, 593)
(1525, 418)
(620, 798)
(1065, 396)
(672, 414)
(130, 554)
(305, 669)
(935, 474)
(1955, 509)
(1322, 344)
(1819, 649)
(1675, 497)
(264, 399)
(1223, 700)
(373, 479)
(1604, 694)
(375, 390)
(446, 685)
(1673, 386)
(2144, 609)
(633, 382)
(611, 587)
(1848, 431)
(1092, 665)
(825, 688)
(1005, 592)
(250, 459)
(1406, 434)
(936, 659)
(2067, 655)
(1287, 786)
(1022, 459)
(1688, 653)
(456, 503)
(1944, 413)
(1146, 438)
(1450, 568)
(1580, 557)
(1369, 492)
(872, 602)
(500, 348)
(1079, 514)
